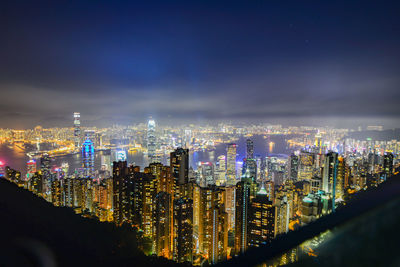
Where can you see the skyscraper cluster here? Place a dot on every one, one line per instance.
(216, 211)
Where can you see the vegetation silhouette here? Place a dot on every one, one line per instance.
(36, 233)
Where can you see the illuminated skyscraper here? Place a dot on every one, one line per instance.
(261, 226)
(56, 193)
(249, 149)
(231, 164)
(282, 215)
(179, 162)
(2, 171)
(206, 174)
(220, 171)
(213, 224)
(31, 169)
(306, 166)
(250, 168)
(151, 140)
(388, 164)
(293, 167)
(241, 215)
(77, 130)
(329, 178)
(230, 192)
(36, 183)
(183, 230)
(88, 158)
(68, 192)
(340, 178)
(122, 193)
(45, 167)
(162, 225)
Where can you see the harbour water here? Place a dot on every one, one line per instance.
(16, 157)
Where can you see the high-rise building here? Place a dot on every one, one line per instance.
(68, 192)
(2, 170)
(241, 215)
(388, 164)
(306, 166)
(30, 169)
(231, 164)
(179, 162)
(145, 190)
(220, 171)
(77, 129)
(151, 140)
(293, 167)
(56, 193)
(183, 230)
(340, 179)
(206, 174)
(122, 193)
(282, 215)
(249, 149)
(162, 225)
(250, 168)
(230, 192)
(212, 224)
(329, 178)
(88, 158)
(36, 183)
(105, 160)
(261, 225)
(45, 167)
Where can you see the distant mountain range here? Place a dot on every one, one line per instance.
(385, 135)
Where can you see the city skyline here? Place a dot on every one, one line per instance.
(199, 133)
(196, 62)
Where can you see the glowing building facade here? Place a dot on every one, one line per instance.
(88, 158)
(231, 164)
(151, 140)
(77, 129)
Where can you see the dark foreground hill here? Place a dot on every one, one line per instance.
(35, 233)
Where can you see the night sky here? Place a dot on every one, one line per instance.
(193, 61)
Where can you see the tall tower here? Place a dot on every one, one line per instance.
(388, 164)
(231, 164)
(261, 225)
(31, 169)
(2, 172)
(77, 130)
(122, 200)
(151, 140)
(241, 215)
(88, 158)
(249, 149)
(179, 162)
(220, 171)
(183, 230)
(213, 224)
(329, 178)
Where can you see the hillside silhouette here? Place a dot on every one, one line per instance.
(36, 233)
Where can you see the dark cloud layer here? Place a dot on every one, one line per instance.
(195, 61)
